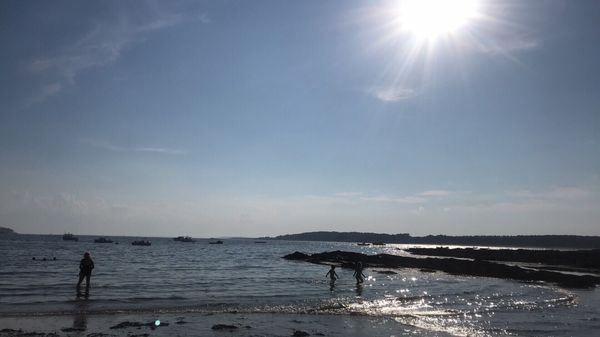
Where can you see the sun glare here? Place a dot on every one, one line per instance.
(430, 19)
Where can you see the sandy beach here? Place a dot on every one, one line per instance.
(202, 324)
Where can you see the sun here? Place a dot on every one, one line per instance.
(431, 19)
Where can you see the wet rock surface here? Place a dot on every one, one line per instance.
(448, 265)
(127, 324)
(573, 258)
(224, 327)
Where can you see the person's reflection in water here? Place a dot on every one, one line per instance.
(80, 318)
(359, 289)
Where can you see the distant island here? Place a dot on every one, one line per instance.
(5, 231)
(554, 241)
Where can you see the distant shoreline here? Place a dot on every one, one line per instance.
(545, 241)
(7, 231)
(524, 241)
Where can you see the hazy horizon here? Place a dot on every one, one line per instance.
(263, 118)
(281, 234)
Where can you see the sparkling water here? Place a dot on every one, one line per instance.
(246, 276)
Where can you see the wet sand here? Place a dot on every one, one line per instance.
(203, 324)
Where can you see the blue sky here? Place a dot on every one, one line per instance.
(271, 117)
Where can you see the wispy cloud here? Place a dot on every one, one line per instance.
(521, 201)
(100, 46)
(435, 193)
(142, 149)
(204, 18)
(505, 45)
(396, 199)
(347, 194)
(554, 194)
(44, 92)
(360, 197)
(392, 93)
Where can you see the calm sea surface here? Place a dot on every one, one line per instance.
(244, 276)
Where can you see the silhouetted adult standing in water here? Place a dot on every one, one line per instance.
(358, 273)
(85, 270)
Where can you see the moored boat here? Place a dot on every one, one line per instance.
(184, 239)
(103, 240)
(141, 243)
(70, 237)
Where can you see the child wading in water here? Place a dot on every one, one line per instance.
(85, 270)
(332, 275)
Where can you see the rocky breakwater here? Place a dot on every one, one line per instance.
(589, 259)
(448, 265)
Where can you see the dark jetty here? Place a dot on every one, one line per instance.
(572, 258)
(450, 266)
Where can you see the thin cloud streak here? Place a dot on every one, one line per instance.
(435, 193)
(144, 149)
(391, 94)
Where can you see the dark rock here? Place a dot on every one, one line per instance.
(300, 333)
(224, 327)
(11, 331)
(20, 333)
(450, 266)
(138, 325)
(573, 258)
(72, 329)
(127, 324)
(31, 334)
(296, 256)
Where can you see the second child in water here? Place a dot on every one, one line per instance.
(358, 273)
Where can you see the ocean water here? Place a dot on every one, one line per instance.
(248, 277)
